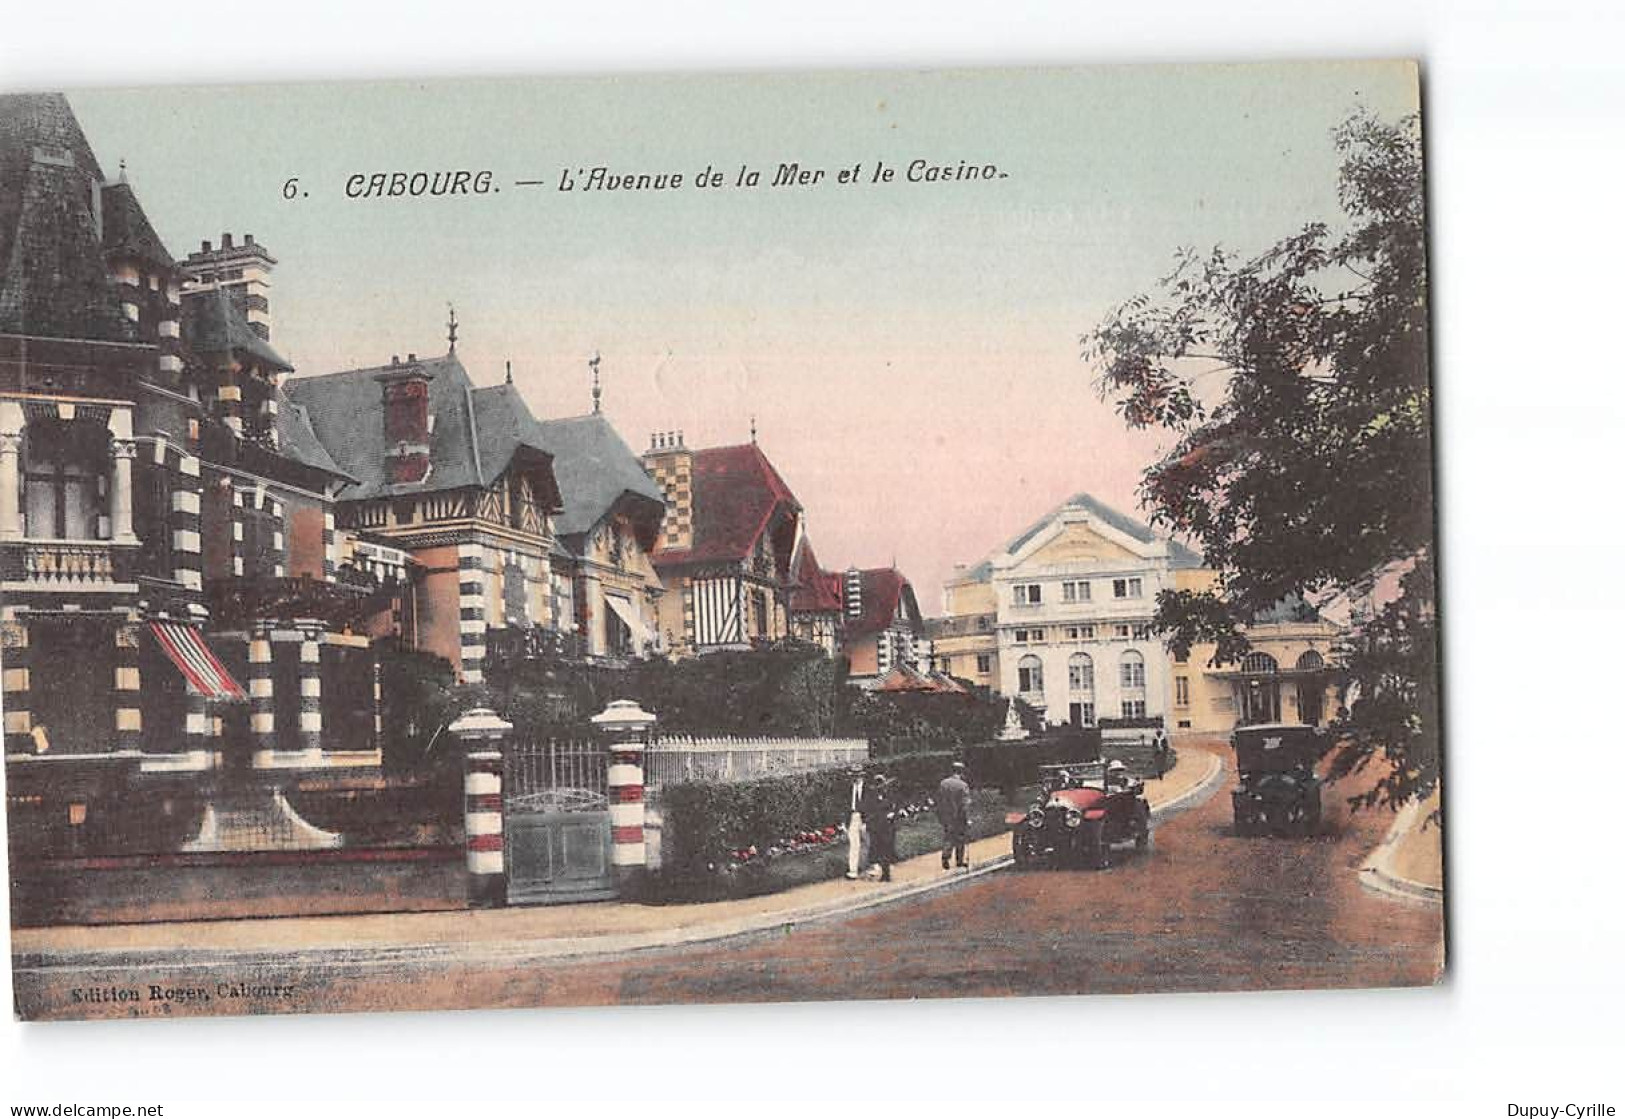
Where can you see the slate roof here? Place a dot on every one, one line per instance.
(1180, 557)
(595, 469)
(213, 324)
(53, 275)
(296, 439)
(736, 492)
(125, 228)
(477, 432)
(817, 591)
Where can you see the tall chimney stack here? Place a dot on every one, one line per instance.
(670, 463)
(242, 270)
(406, 421)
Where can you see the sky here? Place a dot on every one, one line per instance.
(909, 351)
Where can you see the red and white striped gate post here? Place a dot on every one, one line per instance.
(626, 726)
(482, 733)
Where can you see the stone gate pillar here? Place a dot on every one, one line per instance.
(627, 727)
(483, 733)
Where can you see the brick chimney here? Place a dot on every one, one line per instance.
(670, 463)
(406, 420)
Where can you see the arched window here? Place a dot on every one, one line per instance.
(63, 464)
(1133, 666)
(1259, 664)
(1030, 675)
(1311, 661)
(1080, 673)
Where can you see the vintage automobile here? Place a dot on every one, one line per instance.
(1279, 791)
(1083, 810)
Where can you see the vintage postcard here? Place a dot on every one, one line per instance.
(717, 538)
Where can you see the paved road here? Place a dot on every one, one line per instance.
(1202, 911)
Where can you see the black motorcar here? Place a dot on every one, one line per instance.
(1279, 790)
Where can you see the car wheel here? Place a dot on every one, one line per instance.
(1020, 849)
(1142, 836)
(1099, 850)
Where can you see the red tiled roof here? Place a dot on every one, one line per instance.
(902, 678)
(817, 591)
(736, 492)
(883, 589)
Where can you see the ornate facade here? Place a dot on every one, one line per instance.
(726, 553)
(1062, 618)
(168, 555)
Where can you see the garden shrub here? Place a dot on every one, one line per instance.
(704, 821)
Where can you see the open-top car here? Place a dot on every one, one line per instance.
(1279, 790)
(1083, 810)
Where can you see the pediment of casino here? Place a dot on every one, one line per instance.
(1080, 543)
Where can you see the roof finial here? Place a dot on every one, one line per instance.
(122, 177)
(509, 364)
(597, 388)
(753, 428)
(451, 327)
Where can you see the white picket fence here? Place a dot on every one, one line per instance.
(675, 758)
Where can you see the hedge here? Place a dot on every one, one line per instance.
(1012, 765)
(704, 821)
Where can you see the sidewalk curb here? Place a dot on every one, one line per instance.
(556, 948)
(1377, 873)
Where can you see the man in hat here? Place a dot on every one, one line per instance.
(953, 813)
(880, 822)
(856, 837)
(1116, 774)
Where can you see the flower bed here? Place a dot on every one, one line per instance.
(758, 837)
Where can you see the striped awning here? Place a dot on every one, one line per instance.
(623, 609)
(197, 662)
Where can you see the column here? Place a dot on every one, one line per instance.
(626, 726)
(16, 674)
(11, 515)
(127, 686)
(261, 698)
(310, 689)
(377, 700)
(471, 611)
(123, 524)
(482, 734)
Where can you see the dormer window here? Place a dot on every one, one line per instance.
(53, 155)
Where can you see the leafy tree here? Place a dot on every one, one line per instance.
(1295, 386)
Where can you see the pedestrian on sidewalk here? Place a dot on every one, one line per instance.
(953, 813)
(880, 823)
(856, 839)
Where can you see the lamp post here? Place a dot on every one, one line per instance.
(626, 726)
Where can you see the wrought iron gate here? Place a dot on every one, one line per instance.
(557, 822)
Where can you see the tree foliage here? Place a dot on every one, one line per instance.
(1295, 386)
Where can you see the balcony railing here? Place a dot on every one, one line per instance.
(513, 645)
(66, 564)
